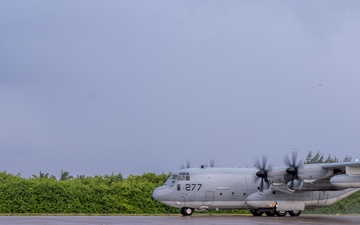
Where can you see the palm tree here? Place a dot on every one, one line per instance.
(65, 175)
(80, 177)
(41, 175)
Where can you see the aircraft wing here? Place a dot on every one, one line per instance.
(341, 165)
(321, 177)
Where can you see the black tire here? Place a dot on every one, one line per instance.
(281, 213)
(294, 213)
(185, 211)
(270, 213)
(255, 212)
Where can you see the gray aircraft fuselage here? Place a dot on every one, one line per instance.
(236, 188)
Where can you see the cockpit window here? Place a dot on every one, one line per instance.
(184, 176)
(172, 179)
(177, 177)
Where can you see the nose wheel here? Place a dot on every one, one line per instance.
(185, 211)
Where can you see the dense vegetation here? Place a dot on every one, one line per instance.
(110, 194)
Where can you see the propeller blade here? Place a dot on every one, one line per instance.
(293, 161)
(264, 161)
(256, 179)
(287, 161)
(294, 156)
(264, 187)
(257, 163)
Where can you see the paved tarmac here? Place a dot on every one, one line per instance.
(177, 220)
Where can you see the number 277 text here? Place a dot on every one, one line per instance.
(193, 187)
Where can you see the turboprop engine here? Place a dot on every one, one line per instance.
(292, 177)
(312, 172)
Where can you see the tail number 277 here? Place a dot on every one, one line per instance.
(193, 187)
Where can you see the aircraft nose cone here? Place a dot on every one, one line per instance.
(162, 193)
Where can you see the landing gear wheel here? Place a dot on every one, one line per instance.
(270, 213)
(294, 213)
(185, 211)
(281, 213)
(255, 212)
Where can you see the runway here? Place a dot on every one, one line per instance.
(177, 220)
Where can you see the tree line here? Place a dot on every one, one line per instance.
(320, 158)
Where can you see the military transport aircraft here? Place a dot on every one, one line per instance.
(275, 191)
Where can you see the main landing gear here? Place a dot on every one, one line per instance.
(185, 211)
(294, 213)
(256, 212)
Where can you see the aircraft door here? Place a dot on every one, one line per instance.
(180, 190)
(209, 197)
(242, 190)
(247, 182)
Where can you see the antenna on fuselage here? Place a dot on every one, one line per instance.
(205, 165)
(187, 165)
(212, 163)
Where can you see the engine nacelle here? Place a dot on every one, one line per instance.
(312, 172)
(277, 176)
(308, 174)
(295, 185)
(346, 181)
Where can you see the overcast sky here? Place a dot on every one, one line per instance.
(95, 87)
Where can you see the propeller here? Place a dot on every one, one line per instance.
(295, 170)
(262, 173)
